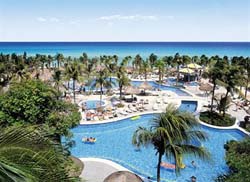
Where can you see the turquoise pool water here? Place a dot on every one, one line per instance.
(155, 85)
(114, 143)
(178, 91)
(92, 104)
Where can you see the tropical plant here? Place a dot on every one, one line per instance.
(57, 79)
(122, 79)
(152, 60)
(238, 160)
(59, 58)
(171, 133)
(34, 102)
(73, 71)
(214, 73)
(178, 61)
(101, 81)
(28, 155)
(161, 67)
(145, 68)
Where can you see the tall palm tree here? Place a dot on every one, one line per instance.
(122, 79)
(145, 68)
(59, 58)
(214, 73)
(126, 60)
(73, 71)
(57, 78)
(171, 133)
(152, 59)
(178, 61)
(160, 65)
(230, 80)
(101, 81)
(27, 155)
(137, 62)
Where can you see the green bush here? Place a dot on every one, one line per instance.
(217, 119)
(238, 160)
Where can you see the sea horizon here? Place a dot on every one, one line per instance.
(122, 48)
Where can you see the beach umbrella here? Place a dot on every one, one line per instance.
(186, 71)
(131, 90)
(194, 66)
(206, 87)
(123, 176)
(145, 86)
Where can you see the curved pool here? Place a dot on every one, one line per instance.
(155, 85)
(92, 104)
(114, 143)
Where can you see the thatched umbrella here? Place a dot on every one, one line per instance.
(145, 86)
(206, 87)
(123, 176)
(131, 90)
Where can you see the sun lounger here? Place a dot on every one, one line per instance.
(158, 100)
(123, 113)
(155, 107)
(165, 101)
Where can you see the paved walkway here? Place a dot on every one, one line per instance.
(96, 170)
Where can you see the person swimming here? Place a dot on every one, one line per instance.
(193, 164)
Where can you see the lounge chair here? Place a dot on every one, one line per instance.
(165, 101)
(155, 107)
(158, 100)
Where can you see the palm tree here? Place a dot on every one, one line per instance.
(145, 68)
(171, 133)
(73, 71)
(152, 59)
(122, 79)
(179, 61)
(160, 65)
(101, 81)
(59, 57)
(27, 155)
(126, 60)
(137, 62)
(214, 73)
(230, 80)
(57, 78)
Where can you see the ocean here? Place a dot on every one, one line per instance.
(122, 49)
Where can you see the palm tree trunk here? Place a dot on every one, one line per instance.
(212, 102)
(74, 94)
(101, 95)
(159, 168)
(224, 108)
(246, 89)
(58, 63)
(120, 88)
(178, 74)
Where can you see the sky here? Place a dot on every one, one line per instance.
(125, 20)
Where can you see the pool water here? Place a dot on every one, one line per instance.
(190, 106)
(114, 143)
(178, 91)
(92, 104)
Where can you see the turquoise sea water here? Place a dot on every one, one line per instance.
(128, 48)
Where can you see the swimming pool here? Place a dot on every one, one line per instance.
(178, 91)
(114, 143)
(92, 104)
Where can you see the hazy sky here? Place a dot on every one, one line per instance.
(124, 20)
